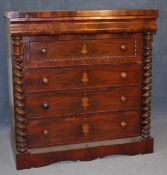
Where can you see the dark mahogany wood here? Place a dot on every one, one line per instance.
(83, 101)
(27, 160)
(88, 13)
(56, 131)
(82, 49)
(85, 77)
(72, 50)
(81, 84)
(97, 21)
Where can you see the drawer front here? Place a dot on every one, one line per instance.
(82, 77)
(76, 49)
(56, 104)
(83, 49)
(75, 129)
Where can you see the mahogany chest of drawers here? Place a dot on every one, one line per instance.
(81, 84)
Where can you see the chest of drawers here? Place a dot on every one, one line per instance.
(80, 84)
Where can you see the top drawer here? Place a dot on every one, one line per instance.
(64, 50)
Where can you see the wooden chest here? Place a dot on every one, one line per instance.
(81, 84)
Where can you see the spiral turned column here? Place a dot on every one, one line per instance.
(20, 121)
(147, 81)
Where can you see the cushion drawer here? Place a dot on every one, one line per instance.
(82, 48)
(51, 104)
(57, 131)
(82, 77)
(48, 51)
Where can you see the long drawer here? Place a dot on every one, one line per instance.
(50, 51)
(82, 77)
(75, 129)
(51, 104)
(85, 48)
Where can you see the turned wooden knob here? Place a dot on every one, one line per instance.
(124, 47)
(45, 80)
(45, 106)
(123, 99)
(124, 124)
(45, 132)
(124, 75)
(44, 51)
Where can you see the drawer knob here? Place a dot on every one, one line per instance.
(45, 106)
(45, 132)
(45, 80)
(85, 129)
(124, 47)
(85, 78)
(124, 75)
(123, 99)
(85, 102)
(124, 124)
(84, 49)
(44, 51)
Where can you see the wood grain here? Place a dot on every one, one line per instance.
(19, 104)
(71, 103)
(65, 22)
(65, 50)
(102, 76)
(147, 81)
(82, 49)
(81, 77)
(37, 160)
(69, 129)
